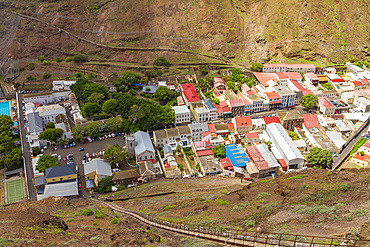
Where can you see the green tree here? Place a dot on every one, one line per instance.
(128, 78)
(79, 58)
(294, 135)
(79, 75)
(96, 98)
(51, 134)
(11, 160)
(309, 101)
(17, 85)
(113, 124)
(231, 85)
(133, 92)
(58, 60)
(110, 106)
(83, 89)
(257, 67)
(320, 157)
(50, 125)
(35, 151)
(91, 109)
(68, 59)
(93, 129)
(219, 151)
(144, 80)
(327, 86)
(178, 148)
(203, 70)
(268, 143)
(31, 66)
(105, 185)
(161, 61)
(215, 101)
(78, 132)
(362, 153)
(114, 153)
(45, 162)
(163, 94)
(125, 126)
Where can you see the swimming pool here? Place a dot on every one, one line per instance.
(4, 108)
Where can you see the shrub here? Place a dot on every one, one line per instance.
(250, 223)
(87, 212)
(304, 187)
(114, 221)
(263, 195)
(317, 209)
(46, 75)
(99, 214)
(58, 60)
(95, 223)
(30, 77)
(360, 212)
(96, 237)
(343, 187)
(68, 59)
(239, 207)
(69, 220)
(166, 207)
(297, 177)
(79, 58)
(31, 66)
(161, 61)
(221, 202)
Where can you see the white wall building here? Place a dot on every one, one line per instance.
(49, 112)
(197, 129)
(362, 103)
(144, 149)
(62, 85)
(326, 107)
(46, 98)
(182, 114)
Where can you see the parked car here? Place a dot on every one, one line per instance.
(93, 154)
(59, 157)
(62, 146)
(64, 158)
(79, 184)
(84, 157)
(52, 148)
(90, 155)
(81, 149)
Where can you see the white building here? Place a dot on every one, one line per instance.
(330, 70)
(48, 113)
(326, 107)
(362, 103)
(144, 149)
(46, 98)
(182, 114)
(197, 129)
(175, 136)
(284, 144)
(62, 85)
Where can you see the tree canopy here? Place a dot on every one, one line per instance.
(45, 162)
(161, 61)
(294, 135)
(320, 157)
(164, 94)
(257, 67)
(9, 155)
(50, 125)
(110, 106)
(114, 153)
(238, 78)
(219, 151)
(113, 124)
(309, 101)
(91, 109)
(327, 86)
(105, 185)
(97, 98)
(83, 89)
(79, 58)
(51, 134)
(127, 79)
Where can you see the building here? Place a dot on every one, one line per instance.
(62, 85)
(274, 100)
(361, 160)
(219, 83)
(200, 113)
(284, 144)
(174, 136)
(287, 95)
(197, 129)
(266, 79)
(325, 106)
(248, 107)
(336, 138)
(263, 159)
(365, 148)
(251, 137)
(257, 103)
(268, 68)
(95, 170)
(189, 94)
(348, 97)
(60, 190)
(61, 174)
(291, 119)
(34, 123)
(312, 78)
(48, 113)
(149, 89)
(126, 177)
(182, 115)
(149, 170)
(362, 103)
(211, 109)
(242, 124)
(144, 149)
(236, 155)
(299, 90)
(46, 98)
(304, 68)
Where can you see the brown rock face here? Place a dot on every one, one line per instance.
(364, 232)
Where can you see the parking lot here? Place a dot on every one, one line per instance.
(90, 147)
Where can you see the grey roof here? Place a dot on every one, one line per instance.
(167, 149)
(19, 170)
(34, 122)
(101, 167)
(336, 138)
(61, 189)
(142, 142)
(59, 171)
(40, 180)
(208, 103)
(181, 109)
(267, 155)
(152, 88)
(199, 127)
(342, 126)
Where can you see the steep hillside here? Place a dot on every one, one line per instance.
(243, 31)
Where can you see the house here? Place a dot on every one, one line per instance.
(299, 90)
(62, 85)
(362, 103)
(40, 183)
(348, 97)
(356, 85)
(365, 148)
(231, 128)
(280, 67)
(361, 160)
(304, 68)
(263, 159)
(312, 78)
(266, 79)
(325, 106)
(284, 144)
(169, 163)
(61, 122)
(268, 120)
(330, 70)
(257, 103)
(182, 115)
(287, 95)
(60, 190)
(223, 111)
(237, 155)
(60, 174)
(144, 149)
(49, 112)
(248, 107)
(336, 138)
(228, 167)
(242, 124)
(219, 83)
(174, 136)
(149, 89)
(95, 170)
(251, 137)
(197, 129)
(290, 119)
(189, 94)
(211, 109)
(126, 177)
(200, 113)
(149, 170)
(274, 100)
(236, 104)
(34, 123)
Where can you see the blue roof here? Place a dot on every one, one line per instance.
(136, 84)
(237, 155)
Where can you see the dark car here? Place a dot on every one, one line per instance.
(84, 157)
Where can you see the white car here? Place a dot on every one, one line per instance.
(59, 157)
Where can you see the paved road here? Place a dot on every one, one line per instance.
(27, 162)
(92, 147)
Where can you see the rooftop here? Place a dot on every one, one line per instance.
(102, 167)
(269, 120)
(325, 102)
(243, 121)
(266, 78)
(273, 95)
(61, 189)
(311, 121)
(142, 142)
(189, 92)
(60, 171)
(365, 158)
(237, 155)
(132, 173)
(181, 109)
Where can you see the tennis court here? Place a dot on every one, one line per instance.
(14, 191)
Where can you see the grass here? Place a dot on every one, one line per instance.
(166, 207)
(297, 177)
(263, 195)
(239, 207)
(343, 187)
(360, 212)
(96, 238)
(221, 202)
(317, 209)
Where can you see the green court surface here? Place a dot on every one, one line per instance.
(14, 190)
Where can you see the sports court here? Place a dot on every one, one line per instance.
(14, 190)
(4, 108)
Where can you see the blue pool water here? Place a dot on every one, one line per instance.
(4, 108)
(15, 123)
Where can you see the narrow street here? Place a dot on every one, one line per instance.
(27, 162)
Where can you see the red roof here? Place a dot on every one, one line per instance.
(263, 78)
(339, 80)
(301, 65)
(269, 120)
(226, 164)
(224, 109)
(325, 102)
(282, 75)
(223, 104)
(243, 121)
(283, 163)
(294, 75)
(204, 152)
(269, 65)
(218, 80)
(189, 92)
(311, 121)
(257, 157)
(299, 86)
(230, 126)
(37, 104)
(273, 95)
(206, 133)
(275, 102)
(367, 145)
(166, 165)
(245, 101)
(236, 102)
(357, 83)
(365, 158)
(365, 81)
(251, 92)
(211, 128)
(252, 135)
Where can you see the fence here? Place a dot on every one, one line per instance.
(240, 237)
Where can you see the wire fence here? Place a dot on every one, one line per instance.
(240, 237)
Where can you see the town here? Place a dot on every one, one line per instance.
(87, 137)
